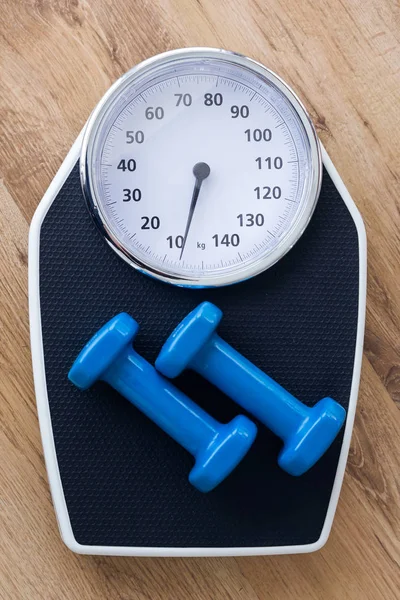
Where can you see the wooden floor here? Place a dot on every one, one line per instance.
(57, 58)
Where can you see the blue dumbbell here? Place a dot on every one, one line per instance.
(109, 356)
(306, 432)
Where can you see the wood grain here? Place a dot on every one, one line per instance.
(57, 57)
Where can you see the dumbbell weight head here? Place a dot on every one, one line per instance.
(102, 350)
(188, 339)
(313, 438)
(217, 448)
(215, 462)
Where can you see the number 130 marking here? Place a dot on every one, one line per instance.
(249, 220)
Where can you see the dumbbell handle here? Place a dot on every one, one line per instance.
(249, 386)
(137, 380)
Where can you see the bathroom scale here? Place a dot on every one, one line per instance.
(198, 177)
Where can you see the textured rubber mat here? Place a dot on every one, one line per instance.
(124, 480)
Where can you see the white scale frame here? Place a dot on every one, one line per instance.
(43, 408)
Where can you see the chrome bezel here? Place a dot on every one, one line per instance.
(95, 206)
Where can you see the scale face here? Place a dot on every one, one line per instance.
(201, 167)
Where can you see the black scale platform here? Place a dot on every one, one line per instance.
(124, 480)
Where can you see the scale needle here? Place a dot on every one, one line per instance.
(201, 171)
